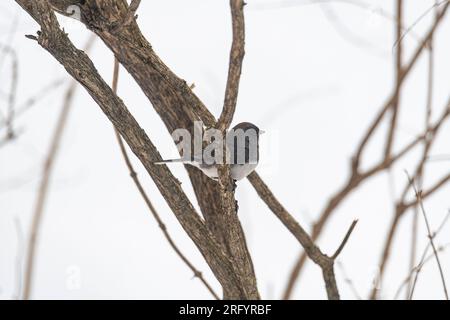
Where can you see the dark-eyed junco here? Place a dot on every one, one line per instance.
(242, 152)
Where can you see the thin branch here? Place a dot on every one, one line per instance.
(31, 101)
(402, 206)
(344, 242)
(430, 234)
(427, 141)
(400, 210)
(430, 84)
(406, 70)
(398, 73)
(435, 6)
(314, 253)
(416, 270)
(10, 115)
(419, 268)
(146, 198)
(12, 96)
(44, 184)
(430, 191)
(235, 67)
(413, 252)
(11, 32)
(19, 258)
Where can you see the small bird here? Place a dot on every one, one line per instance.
(242, 153)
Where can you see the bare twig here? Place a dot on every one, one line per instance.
(31, 101)
(347, 236)
(10, 115)
(430, 72)
(44, 184)
(402, 206)
(398, 85)
(430, 234)
(146, 198)
(235, 68)
(416, 270)
(430, 191)
(42, 192)
(427, 143)
(413, 252)
(425, 252)
(406, 70)
(10, 37)
(435, 6)
(19, 258)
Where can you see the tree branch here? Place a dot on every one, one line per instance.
(344, 241)
(430, 235)
(151, 207)
(406, 70)
(398, 74)
(402, 206)
(325, 262)
(235, 68)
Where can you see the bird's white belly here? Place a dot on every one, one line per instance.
(238, 172)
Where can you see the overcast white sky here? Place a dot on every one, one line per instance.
(311, 84)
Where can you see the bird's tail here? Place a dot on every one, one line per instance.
(173, 161)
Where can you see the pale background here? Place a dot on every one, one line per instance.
(311, 85)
